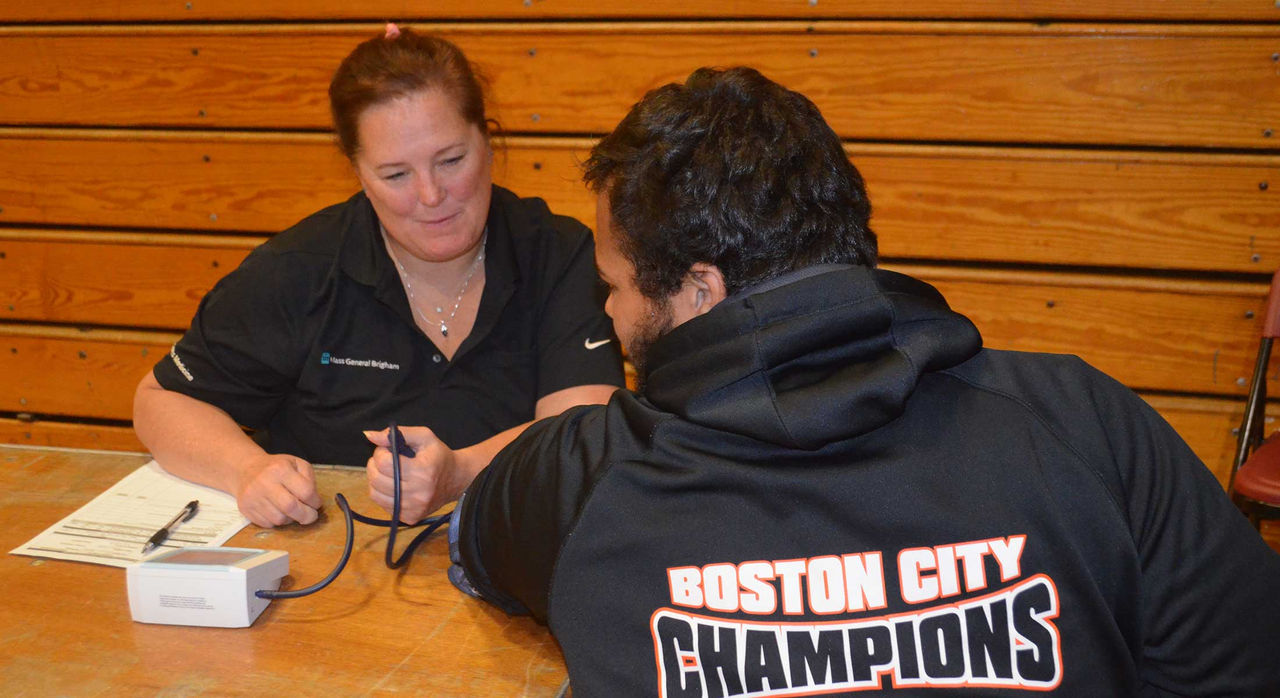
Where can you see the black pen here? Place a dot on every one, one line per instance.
(163, 534)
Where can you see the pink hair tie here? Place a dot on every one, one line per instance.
(392, 30)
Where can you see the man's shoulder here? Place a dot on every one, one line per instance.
(1084, 407)
(1036, 377)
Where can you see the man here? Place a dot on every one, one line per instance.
(825, 484)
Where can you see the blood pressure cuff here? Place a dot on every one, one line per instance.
(519, 511)
(458, 574)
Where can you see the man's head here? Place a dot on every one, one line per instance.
(714, 186)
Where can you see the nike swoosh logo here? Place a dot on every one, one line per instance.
(595, 345)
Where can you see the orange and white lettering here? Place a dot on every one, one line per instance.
(720, 587)
(948, 575)
(917, 586)
(790, 571)
(864, 581)
(826, 585)
(758, 595)
(1008, 552)
(971, 556)
(686, 586)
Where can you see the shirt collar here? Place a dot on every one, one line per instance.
(364, 259)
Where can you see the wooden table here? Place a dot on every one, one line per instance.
(65, 627)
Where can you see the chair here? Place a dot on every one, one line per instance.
(1255, 473)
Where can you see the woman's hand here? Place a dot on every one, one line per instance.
(277, 489)
(428, 481)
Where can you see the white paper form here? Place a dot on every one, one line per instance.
(112, 528)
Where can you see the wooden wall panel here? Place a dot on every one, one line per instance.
(1104, 84)
(58, 371)
(1149, 335)
(1165, 211)
(205, 181)
(42, 432)
(198, 10)
(1156, 211)
(110, 279)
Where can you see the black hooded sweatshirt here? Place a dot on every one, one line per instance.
(827, 485)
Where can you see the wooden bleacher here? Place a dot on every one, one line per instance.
(323, 10)
(1085, 177)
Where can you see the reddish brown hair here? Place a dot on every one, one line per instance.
(382, 69)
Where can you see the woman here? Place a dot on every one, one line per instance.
(431, 297)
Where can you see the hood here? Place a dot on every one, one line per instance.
(824, 357)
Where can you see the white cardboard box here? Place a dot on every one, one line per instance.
(204, 586)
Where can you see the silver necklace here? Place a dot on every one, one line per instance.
(443, 324)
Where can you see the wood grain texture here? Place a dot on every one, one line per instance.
(374, 631)
(82, 373)
(233, 10)
(1197, 339)
(207, 181)
(1103, 84)
(1198, 212)
(69, 434)
(99, 281)
(1207, 212)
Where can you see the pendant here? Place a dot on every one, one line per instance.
(444, 329)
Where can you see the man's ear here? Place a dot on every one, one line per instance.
(703, 288)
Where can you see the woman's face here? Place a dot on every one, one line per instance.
(427, 172)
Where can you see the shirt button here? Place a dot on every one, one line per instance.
(437, 358)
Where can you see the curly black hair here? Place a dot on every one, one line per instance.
(731, 169)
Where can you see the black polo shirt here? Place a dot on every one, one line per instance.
(313, 340)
